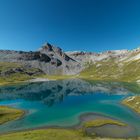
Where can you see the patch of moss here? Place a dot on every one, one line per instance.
(9, 114)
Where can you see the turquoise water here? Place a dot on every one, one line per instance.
(60, 103)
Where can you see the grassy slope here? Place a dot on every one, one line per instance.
(111, 70)
(15, 77)
(8, 114)
(133, 102)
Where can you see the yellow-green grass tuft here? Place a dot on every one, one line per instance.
(9, 114)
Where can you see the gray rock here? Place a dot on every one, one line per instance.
(49, 59)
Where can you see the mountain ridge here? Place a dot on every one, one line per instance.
(117, 65)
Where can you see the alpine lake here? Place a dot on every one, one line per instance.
(69, 103)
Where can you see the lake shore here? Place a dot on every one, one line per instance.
(85, 117)
(133, 102)
(94, 120)
(10, 114)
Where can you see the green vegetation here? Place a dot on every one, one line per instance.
(52, 134)
(4, 66)
(46, 134)
(101, 122)
(8, 114)
(11, 72)
(110, 70)
(133, 102)
(14, 78)
(60, 134)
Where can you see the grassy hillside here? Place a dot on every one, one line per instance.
(15, 72)
(113, 70)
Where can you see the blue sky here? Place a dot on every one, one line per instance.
(88, 25)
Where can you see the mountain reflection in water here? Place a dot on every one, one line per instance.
(54, 91)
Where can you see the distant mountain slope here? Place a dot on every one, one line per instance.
(119, 65)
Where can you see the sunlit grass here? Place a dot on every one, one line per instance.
(133, 102)
(8, 114)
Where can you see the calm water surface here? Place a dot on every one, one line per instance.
(60, 103)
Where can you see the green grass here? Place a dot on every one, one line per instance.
(101, 122)
(52, 134)
(4, 66)
(8, 114)
(15, 77)
(111, 70)
(133, 102)
(60, 134)
(45, 134)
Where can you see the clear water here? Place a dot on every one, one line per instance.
(60, 103)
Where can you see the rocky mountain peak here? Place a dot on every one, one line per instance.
(54, 52)
(47, 47)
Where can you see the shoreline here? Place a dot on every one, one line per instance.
(82, 119)
(132, 103)
(14, 112)
(46, 78)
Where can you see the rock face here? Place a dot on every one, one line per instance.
(50, 59)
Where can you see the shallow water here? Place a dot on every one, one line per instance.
(60, 103)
